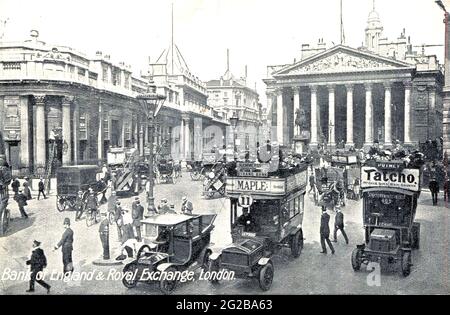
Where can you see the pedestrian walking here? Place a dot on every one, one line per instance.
(447, 190)
(91, 202)
(66, 244)
(137, 215)
(37, 263)
(186, 206)
(325, 232)
(41, 188)
(312, 183)
(127, 225)
(15, 186)
(21, 200)
(103, 231)
(434, 188)
(339, 225)
(119, 220)
(26, 190)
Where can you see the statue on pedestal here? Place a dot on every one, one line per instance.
(300, 121)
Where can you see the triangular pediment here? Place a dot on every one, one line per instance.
(342, 59)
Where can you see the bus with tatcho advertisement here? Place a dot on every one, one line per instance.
(390, 194)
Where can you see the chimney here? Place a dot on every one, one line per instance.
(221, 81)
(228, 59)
(245, 71)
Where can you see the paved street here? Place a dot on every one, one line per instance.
(312, 273)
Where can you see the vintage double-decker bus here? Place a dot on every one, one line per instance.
(266, 215)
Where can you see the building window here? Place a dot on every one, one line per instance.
(11, 65)
(83, 126)
(105, 127)
(225, 94)
(105, 73)
(12, 115)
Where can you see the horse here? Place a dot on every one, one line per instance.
(331, 197)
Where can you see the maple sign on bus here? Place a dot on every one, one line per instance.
(408, 179)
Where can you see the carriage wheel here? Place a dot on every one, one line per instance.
(4, 222)
(222, 190)
(61, 203)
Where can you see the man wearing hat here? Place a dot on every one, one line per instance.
(91, 202)
(37, 263)
(434, 188)
(339, 225)
(66, 244)
(164, 206)
(186, 206)
(118, 219)
(137, 215)
(325, 232)
(21, 200)
(103, 231)
(41, 188)
(127, 225)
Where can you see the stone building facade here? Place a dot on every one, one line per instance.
(383, 91)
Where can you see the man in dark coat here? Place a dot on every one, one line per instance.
(41, 187)
(339, 225)
(447, 190)
(15, 186)
(91, 202)
(37, 263)
(66, 244)
(325, 232)
(434, 188)
(312, 183)
(137, 214)
(119, 221)
(21, 200)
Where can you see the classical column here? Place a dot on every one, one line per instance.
(349, 88)
(269, 95)
(314, 89)
(408, 86)
(100, 141)
(280, 117)
(369, 116)
(187, 140)
(24, 133)
(39, 131)
(182, 138)
(76, 122)
(331, 116)
(66, 131)
(432, 125)
(296, 91)
(141, 139)
(387, 114)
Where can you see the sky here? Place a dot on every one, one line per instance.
(257, 32)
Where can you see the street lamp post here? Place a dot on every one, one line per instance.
(234, 121)
(150, 103)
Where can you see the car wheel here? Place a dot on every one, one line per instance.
(406, 264)
(356, 259)
(168, 286)
(266, 276)
(297, 244)
(129, 278)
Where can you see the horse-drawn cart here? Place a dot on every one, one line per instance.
(71, 180)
